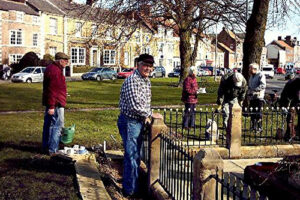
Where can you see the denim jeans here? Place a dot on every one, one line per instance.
(53, 125)
(130, 131)
(189, 115)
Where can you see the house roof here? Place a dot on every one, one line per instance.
(225, 47)
(18, 6)
(45, 6)
(283, 44)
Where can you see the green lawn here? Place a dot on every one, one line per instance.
(92, 94)
(22, 175)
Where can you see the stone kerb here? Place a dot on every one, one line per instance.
(234, 131)
(205, 164)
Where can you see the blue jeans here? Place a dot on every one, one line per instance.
(53, 125)
(130, 131)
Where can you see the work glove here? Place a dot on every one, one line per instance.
(241, 103)
(284, 110)
(218, 109)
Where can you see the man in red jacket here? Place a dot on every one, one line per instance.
(54, 99)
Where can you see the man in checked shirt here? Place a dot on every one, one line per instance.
(135, 112)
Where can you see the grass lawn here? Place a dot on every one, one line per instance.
(92, 94)
(22, 175)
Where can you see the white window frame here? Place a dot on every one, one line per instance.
(19, 16)
(94, 30)
(53, 51)
(78, 55)
(138, 36)
(53, 26)
(14, 58)
(78, 30)
(35, 39)
(147, 50)
(126, 58)
(109, 57)
(16, 37)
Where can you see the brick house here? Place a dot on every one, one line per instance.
(19, 31)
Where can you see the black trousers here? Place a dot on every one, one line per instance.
(256, 114)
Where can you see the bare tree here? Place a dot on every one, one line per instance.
(265, 13)
(188, 18)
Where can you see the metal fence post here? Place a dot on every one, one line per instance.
(234, 131)
(157, 127)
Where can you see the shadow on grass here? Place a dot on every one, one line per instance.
(33, 147)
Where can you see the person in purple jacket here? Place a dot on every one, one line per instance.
(54, 99)
(189, 98)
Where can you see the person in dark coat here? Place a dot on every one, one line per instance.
(54, 99)
(189, 98)
(232, 89)
(290, 97)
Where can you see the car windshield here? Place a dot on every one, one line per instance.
(127, 70)
(267, 69)
(28, 70)
(96, 69)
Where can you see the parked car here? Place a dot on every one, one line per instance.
(175, 73)
(268, 70)
(158, 72)
(29, 75)
(280, 70)
(297, 70)
(209, 69)
(99, 74)
(125, 73)
(203, 72)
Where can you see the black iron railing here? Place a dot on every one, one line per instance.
(176, 168)
(207, 130)
(229, 186)
(269, 129)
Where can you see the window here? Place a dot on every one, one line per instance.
(137, 36)
(16, 37)
(109, 34)
(53, 26)
(78, 29)
(147, 50)
(109, 57)
(126, 58)
(35, 19)
(38, 71)
(35, 39)
(78, 56)
(94, 29)
(19, 16)
(14, 58)
(53, 51)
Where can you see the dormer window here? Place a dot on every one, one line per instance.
(78, 29)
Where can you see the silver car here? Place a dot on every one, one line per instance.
(29, 75)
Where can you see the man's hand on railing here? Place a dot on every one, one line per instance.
(218, 109)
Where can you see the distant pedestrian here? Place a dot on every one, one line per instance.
(232, 89)
(290, 97)
(135, 112)
(256, 93)
(54, 99)
(189, 98)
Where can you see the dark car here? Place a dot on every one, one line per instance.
(125, 73)
(158, 72)
(99, 74)
(175, 73)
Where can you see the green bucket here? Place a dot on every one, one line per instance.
(68, 134)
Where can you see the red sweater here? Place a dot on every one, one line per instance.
(54, 86)
(189, 91)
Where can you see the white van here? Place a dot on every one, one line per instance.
(268, 71)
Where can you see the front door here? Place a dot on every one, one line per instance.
(95, 57)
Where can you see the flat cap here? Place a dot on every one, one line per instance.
(61, 55)
(146, 58)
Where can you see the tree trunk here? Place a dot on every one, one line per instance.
(255, 31)
(185, 54)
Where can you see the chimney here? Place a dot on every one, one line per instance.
(279, 37)
(89, 2)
